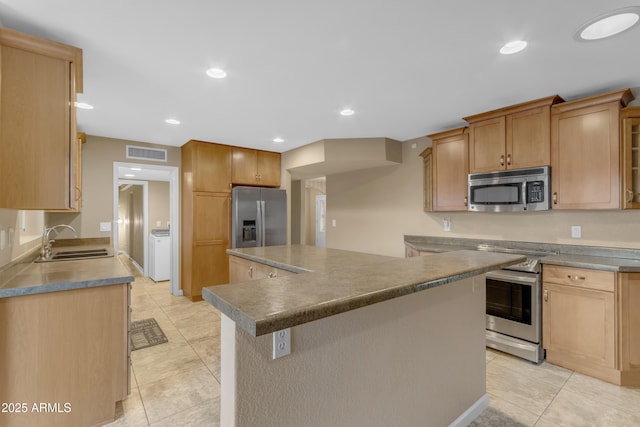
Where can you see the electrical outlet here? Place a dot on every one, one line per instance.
(446, 223)
(105, 226)
(281, 343)
(576, 231)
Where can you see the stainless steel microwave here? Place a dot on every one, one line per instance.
(510, 191)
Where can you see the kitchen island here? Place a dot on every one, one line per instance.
(64, 354)
(375, 341)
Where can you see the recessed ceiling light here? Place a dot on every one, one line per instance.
(513, 47)
(173, 121)
(347, 112)
(84, 106)
(278, 140)
(216, 73)
(129, 175)
(609, 24)
(136, 169)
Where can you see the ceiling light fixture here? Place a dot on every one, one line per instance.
(278, 140)
(347, 112)
(129, 175)
(513, 47)
(136, 169)
(84, 106)
(609, 24)
(216, 73)
(173, 121)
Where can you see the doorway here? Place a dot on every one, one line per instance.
(321, 220)
(144, 173)
(133, 202)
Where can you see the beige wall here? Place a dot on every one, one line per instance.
(159, 204)
(375, 208)
(98, 155)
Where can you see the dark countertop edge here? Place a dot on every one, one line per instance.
(65, 286)
(270, 263)
(594, 257)
(298, 316)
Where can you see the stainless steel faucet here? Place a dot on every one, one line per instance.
(45, 252)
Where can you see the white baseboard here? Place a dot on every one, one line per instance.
(472, 413)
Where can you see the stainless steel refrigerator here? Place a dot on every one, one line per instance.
(259, 217)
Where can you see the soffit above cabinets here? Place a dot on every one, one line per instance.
(334, 156)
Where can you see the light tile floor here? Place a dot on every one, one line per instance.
(178, 383)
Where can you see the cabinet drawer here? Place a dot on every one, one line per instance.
(579, 277)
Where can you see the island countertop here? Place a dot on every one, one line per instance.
(342, 281)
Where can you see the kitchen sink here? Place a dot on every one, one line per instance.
(77, 254)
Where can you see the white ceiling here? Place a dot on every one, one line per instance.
(407, 67)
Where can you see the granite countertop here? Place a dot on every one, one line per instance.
(623, 265)
(594, 257)
(343, 281)
(305, 259)
(29, 278)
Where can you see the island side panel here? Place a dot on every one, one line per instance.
(416, 360)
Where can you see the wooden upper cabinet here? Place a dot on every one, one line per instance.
(450, 169)
(206, 167)
(585, 152)
(630, 157)
(38, 144)
(255, 167)
(511, 138)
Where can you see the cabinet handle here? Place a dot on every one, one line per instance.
(576, 277)
(502, 160)
(250, 272)
(466, 201)
(273, 274)
(508, 159)
(630, 193)
(555, 198)
(545, 295)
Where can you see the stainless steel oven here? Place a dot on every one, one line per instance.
(514, 313)
(514, 305)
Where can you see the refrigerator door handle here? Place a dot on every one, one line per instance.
(259, 223)
(263, 228)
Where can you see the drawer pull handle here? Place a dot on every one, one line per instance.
(546, 295)
(576, 277)
(502, 160)
(250, 272)
(273, 274)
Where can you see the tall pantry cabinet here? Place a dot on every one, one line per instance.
(209, 171)
(206, 216)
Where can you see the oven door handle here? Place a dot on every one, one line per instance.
(510, 276)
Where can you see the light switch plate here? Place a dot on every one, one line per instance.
(105, 226)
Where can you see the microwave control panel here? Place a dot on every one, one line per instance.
(535, 192)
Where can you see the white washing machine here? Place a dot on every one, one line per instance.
(160, 255)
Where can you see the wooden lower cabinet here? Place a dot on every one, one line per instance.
(242, 270)
(589, 324)
(67, 353)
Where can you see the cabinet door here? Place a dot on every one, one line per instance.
(528, 138)
(244, 169)
(585, 158)
(240, 270)
(450, 173)
(211, 167)
(36, 137)
(631, 162)
(210, 267)
(211, 218)
(268, 168)
(629, 315)
(579, 324)
(487, 145)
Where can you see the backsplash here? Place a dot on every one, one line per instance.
(22, 240)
